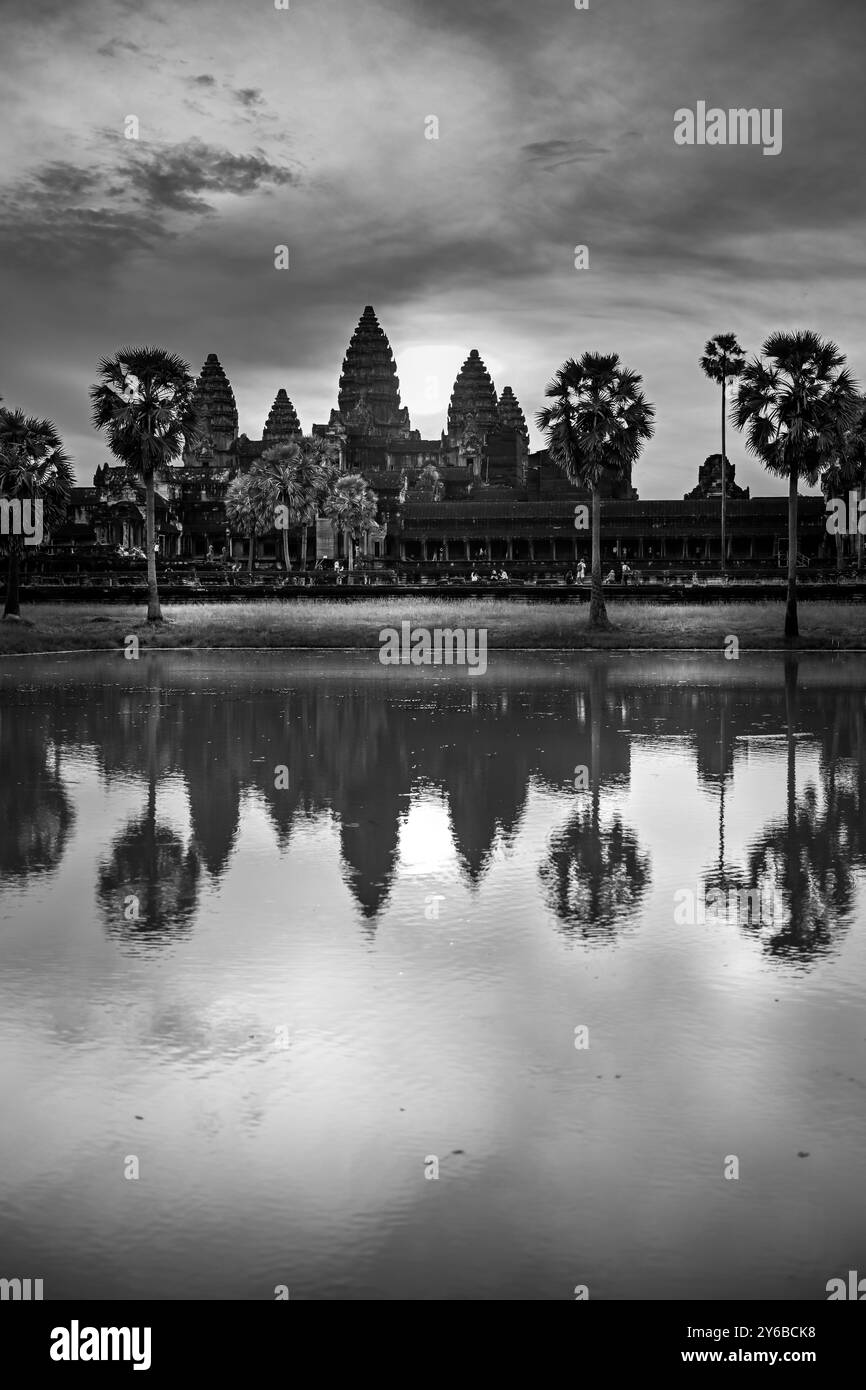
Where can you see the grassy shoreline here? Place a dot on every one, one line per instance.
(321, 624)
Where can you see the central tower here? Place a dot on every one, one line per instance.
(369, 394)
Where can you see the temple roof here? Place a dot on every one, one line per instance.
(474, 393)
(282, 425)
(214, 397)
(369, 394)
(510, 414)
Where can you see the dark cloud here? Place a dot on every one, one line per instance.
(64, 211)
(550, 154)
(249, 96)
(115, 46)
(174, 178)
(205, 79)
(63, 180)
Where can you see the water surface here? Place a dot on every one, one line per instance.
(285, 1002)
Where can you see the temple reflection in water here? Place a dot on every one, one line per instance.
(365, 753)
(283, 925)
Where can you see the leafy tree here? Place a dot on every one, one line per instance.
(35, 469)
(596, 428)
(294, 476)
(144, 402)
(249, 510)
(793, 403)
(723, 361)
(352, 508)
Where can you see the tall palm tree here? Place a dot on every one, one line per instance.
(144, 402)
(352, 507)
(723, 361)
(596, 427)
(34, 468)
(249, 510)
(793, 403)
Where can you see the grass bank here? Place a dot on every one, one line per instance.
(320, 623)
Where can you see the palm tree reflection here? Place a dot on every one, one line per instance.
(806, 857)
(595, 875)
(147, 889)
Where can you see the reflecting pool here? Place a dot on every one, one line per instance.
(408, 983)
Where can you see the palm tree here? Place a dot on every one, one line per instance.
(352, 507)
(793, 404)
(249, 510)
(293, 476)
(723, 361)
(596, 428)
(144, 402)
(34, 468)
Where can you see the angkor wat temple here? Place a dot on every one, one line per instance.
(492, 495)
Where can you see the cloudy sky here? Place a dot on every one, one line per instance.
(306, 127)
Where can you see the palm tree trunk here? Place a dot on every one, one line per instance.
(792, 631)
(350, 552)
(791, 688)
(304, 534)
(598, 619)
(859, 539)
(154, 612)
(724, 556)
(252, 551)
(13, 582)
(840, 551)
(286, 557)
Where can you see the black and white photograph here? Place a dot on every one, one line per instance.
(432, 663)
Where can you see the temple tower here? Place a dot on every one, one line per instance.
(511, 416)
(369, 395)
(215, 402)
(282, 425)
(473, 413)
